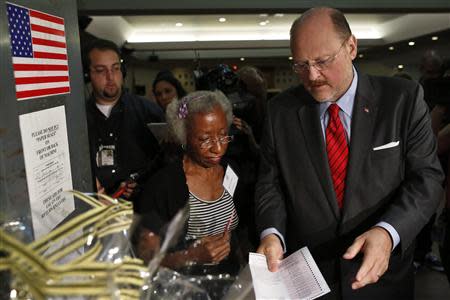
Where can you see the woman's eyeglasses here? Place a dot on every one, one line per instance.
(208, 143)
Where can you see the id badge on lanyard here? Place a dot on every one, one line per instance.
(105, 156)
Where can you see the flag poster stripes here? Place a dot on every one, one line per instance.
(39, 53)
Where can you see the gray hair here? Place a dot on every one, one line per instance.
(179, 113)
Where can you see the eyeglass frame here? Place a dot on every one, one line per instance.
(209, 142)
(320, 65)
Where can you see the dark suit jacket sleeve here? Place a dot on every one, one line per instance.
(269, 200)
(418, 195)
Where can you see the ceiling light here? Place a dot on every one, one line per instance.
(434, 38)
(190, 36)
(391, 48)
(411, 43)
(400, 66)
(290, 58)
(178, 24)
(367, 32)
(263, 15)
(221, 20)
(279, 15)
(361, 55)
(227, 34)
(242, 58)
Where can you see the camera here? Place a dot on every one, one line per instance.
(224, 79)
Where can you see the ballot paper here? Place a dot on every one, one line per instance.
(298, 277)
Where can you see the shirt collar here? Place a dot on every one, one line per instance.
(347, 100)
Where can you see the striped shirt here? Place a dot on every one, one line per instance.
(210, 217)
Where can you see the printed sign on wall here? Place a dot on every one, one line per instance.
(47, 166)
(39, 53)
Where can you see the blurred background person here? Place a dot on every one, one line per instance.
(167, 88)
(431, 68)
(199, 122)
(437, 96)
(122, 149)
(248, 116)
(441, 127)
(252, 81)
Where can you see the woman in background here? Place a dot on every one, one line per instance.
(167, 88)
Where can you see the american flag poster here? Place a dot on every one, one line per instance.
(39, 53)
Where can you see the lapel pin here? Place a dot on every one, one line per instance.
(366, 110)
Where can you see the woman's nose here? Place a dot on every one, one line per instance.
(216, 147)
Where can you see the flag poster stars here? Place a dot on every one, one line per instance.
(39, 53)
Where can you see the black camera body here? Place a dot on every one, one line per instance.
(224, 79)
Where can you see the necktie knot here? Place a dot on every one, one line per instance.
(333, 110)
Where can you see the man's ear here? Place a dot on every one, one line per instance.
(353, 46)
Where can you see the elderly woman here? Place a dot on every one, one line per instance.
(200, 124)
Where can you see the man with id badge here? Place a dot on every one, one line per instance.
(122, 148)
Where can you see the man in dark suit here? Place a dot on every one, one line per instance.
(348, 167)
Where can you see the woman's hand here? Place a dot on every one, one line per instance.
(210, 249)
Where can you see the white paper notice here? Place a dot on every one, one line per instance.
(298, 277)
(47, 165)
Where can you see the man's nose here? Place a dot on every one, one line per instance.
(109, 74)
(313, 73)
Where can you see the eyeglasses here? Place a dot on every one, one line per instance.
(208, 143)
(319, 65)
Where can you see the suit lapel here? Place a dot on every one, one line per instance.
(362, 126)
(312, 131)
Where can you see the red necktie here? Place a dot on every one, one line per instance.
(337, 150)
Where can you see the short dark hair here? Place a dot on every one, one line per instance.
(170, 78)
(338, 19)
(99, 44)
